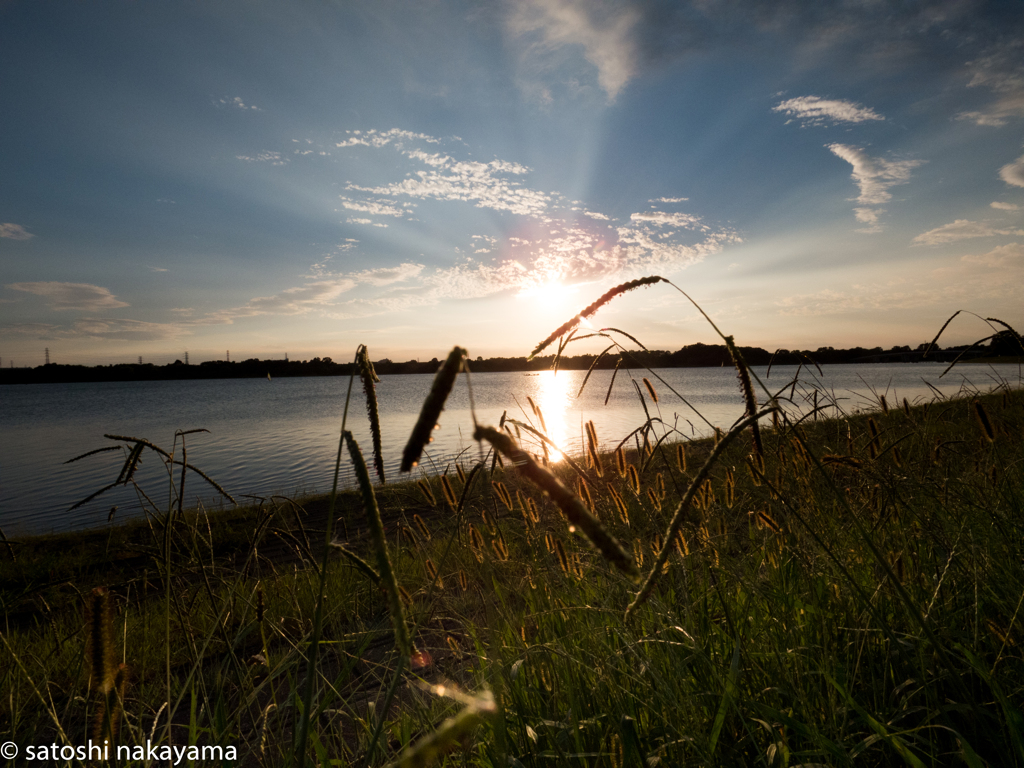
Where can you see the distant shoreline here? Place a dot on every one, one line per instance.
(692, 356)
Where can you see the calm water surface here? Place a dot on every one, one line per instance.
(281, 436)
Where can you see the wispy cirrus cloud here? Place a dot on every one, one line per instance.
(816, 111)
(99, 328)
(1001, 71)
(388, 275)
(376, 207)
(14, 232)
(291, 301)
(274, 158)
(881, 297)
(71, 296)
(236, 103)
(962, 229)
(874, 176)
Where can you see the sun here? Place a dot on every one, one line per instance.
(551, 296)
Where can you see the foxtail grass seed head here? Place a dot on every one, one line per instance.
(531, 505)
(650, 389)
(755, 465)
(765, 520)
(369, 377)
(422, 526)
(709, 493)
(502, 493)
(652, 497)
(986, 426)
(638, 553)
(577, 565)
(485, 517)
(730, 489)
(563, 561)
(544, 675)
(682, 547)
(409, 535)
(620, 505)
(99, 641)
(404, 596)
(432, 573)
(461, 473)
(432, 407)
(620, 461)
(873, 444)
(1000, 634)
(906, 407)
(108, 722)
(590, 310)
(615, 750)
(743, 374)
(476, 543)
(463, 581)
(543, 424)
(884, 403)
(659, 480)
(681, 457)
(583, 491)
(549, 541)
(449, 494)
(428, 494)
(633, 478)
(403, 641)
(500, 550)
(567, 502)
(593, 451)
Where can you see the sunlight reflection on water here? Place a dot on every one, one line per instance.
(282, 436)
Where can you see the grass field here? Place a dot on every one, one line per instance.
(848, 593)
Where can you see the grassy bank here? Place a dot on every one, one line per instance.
(852, 596)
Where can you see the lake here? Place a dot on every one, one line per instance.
(281, 436)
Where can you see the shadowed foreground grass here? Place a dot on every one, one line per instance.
(850, 597)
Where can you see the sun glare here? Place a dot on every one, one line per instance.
(551, 296)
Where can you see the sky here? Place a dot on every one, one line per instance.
(260, 178)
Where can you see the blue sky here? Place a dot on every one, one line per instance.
(303, 177)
